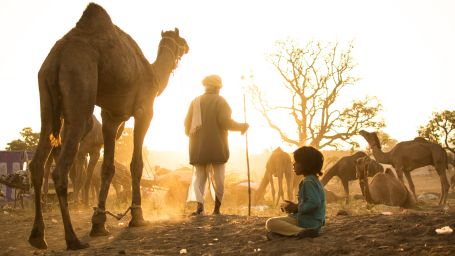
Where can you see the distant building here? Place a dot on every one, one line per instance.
(12, 161)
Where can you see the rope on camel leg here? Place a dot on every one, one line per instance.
(118, 216)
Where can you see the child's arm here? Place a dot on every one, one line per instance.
(311, 198)
(289, 207)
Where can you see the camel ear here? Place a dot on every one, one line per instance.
(162, 33)
(176, 31)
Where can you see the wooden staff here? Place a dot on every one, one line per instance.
(247, 159)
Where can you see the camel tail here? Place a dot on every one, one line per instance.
(57, 123)
(50, 107)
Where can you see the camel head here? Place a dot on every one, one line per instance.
(365, 167)
(172, 42)
(371, 138)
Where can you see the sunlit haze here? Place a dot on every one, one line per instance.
(404, 51)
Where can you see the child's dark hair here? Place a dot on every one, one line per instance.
(311, 160)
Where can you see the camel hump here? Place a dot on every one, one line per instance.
(94, 19)
(420, 139)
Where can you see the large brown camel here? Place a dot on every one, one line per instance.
(410, 155)
(96, 63)
(384, 187)
(344, 169)
(278, 164)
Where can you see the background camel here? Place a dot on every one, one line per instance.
(90, 146)
(278, 165)
(81, 171)
(410, 155)
(384, 187)
(96, 63)
(121, 181)
(345, 170)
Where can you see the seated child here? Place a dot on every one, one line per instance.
(306, 218)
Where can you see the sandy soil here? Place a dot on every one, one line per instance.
(378, 230)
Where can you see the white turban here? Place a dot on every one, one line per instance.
(212, 81)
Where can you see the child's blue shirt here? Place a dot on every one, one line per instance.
(311, 205)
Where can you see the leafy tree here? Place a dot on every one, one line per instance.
(314, 77)
(29, 141)
(387, 142)
(440, 129)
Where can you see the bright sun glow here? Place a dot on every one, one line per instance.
(403, 50)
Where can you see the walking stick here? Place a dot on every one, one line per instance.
(247, 159)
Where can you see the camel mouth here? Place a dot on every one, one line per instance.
(185, 46)
(186, 49)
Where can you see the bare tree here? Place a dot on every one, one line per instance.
(314, 77)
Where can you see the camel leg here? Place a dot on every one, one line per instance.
(289, 184)
(345, 184)
(272, 188)
(296, 181)
(47, 171)
(43, 149)
(118, 192)
(411, 184)
(96, 189)
(94, 156)
(280, 189)
(444, 184)
(107, 173)
(78, 167)
(71, 138)
(141, 126)
(399, 172)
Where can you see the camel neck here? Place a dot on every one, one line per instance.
(381, 157)
(162, 69)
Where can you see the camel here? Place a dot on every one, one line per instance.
(384, 187)
(90, 145)
(278, 164)
(96, 63)
(345, 170)
(410, 155)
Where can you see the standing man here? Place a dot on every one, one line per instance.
(207, 124)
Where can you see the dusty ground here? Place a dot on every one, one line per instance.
(364, 231)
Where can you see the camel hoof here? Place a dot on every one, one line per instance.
(137, 219)
(76, 245)
(99, 230)
(138, 223)
(37, 241)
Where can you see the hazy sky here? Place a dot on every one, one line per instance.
(404, 50)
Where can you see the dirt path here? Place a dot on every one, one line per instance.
(363, 232)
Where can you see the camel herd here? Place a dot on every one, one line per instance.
(385, 187)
